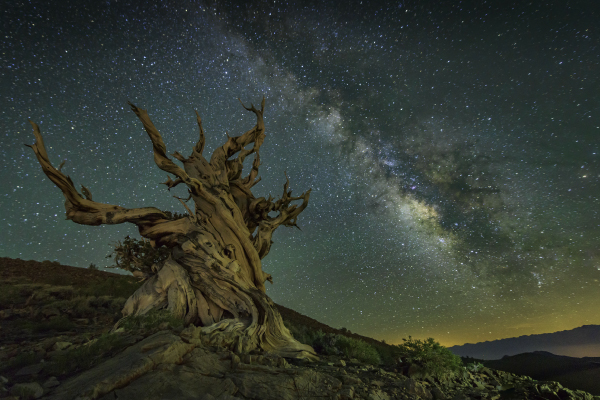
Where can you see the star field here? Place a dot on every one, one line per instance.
(453, 150)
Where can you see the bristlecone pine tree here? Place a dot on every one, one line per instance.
(213, 277)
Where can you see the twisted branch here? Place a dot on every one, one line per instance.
(160, 157)
(287, 216)
(84, 210)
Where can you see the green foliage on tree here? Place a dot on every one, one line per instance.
(138, 254)
(431, 356)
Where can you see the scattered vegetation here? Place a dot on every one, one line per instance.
(332, 344)
(85, 356)
(59, 324)
(152, 320)
(21, 360)
(9, 295)
(93, 266)
(431, 356)
(118, 286)
(60, 307)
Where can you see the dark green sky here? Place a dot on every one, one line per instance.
(453, 151)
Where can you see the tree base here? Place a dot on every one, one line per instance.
(263, 329)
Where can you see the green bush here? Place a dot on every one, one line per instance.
(303, 334)
(355, 348)
(137, 255)
(428, 354)
(389, 354)
(474, 367)
(332, 344)
(9, 295)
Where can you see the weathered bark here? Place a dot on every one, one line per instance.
(213, 277)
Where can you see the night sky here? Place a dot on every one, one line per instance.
(452, 148)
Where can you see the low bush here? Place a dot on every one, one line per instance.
(431, 356)
(332, 344)
(474, 367)
(355, 348)
(389, 354)
(9, 295)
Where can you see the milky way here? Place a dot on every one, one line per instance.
(452, 151)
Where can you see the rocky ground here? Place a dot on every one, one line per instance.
(55, 344)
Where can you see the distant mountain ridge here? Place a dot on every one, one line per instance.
(579, 342)
(580, 373)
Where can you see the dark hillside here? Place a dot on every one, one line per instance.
(577, 373)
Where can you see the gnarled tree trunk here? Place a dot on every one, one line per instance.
(213, 277)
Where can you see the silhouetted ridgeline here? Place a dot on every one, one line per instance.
(574, 373)
(579, 342)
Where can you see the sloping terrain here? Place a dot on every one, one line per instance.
(579, 342)
(55, 343)
(578, 373)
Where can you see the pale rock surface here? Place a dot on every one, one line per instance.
(183, 365)
(164, 366)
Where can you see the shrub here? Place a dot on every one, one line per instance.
(303, 334)
(434, 358)
(389, 354)
(9, 295)
(332, 344)
(474, 367)
(93, 266)
(355, 348)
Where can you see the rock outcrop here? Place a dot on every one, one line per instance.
(183, 364)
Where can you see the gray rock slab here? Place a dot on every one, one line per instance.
(181, 383)
(33, 369)
(27, 390)
(51, 382)
(161, 348)
(285, 384)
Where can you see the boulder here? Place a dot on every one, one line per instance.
(51, 382)
(378, 394)
(134, 362)
(183, 365)
(59, 346)
(416, 388)
(31, 390)
(33, 369)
